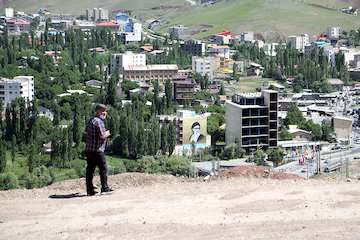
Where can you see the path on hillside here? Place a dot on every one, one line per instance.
(173, 209)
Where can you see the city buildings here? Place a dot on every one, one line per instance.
(193, 47)
(252, 120)
(177, 31)
(333, 33)
(343, 128)
(132, 33)
(149, 73)
(222, 51)
(97, 14)
(121, 60)
(20, 86)
(17, 26)
(205, 66)
(183, 89)
(299, 42)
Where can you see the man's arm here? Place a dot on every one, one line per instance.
(103, 133)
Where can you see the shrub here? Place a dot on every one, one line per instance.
(131, 165)
(148, 164)
(8, 181)
(176, 165)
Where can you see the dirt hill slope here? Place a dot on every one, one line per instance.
(169, 208)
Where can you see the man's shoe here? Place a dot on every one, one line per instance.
(107, 190)
(92, 193)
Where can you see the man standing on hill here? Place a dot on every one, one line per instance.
(96, 136)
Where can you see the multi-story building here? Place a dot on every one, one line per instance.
(270, 49)
(247, 36)
(193, 47)
(205, 66)
(222, 51)
(252, 120)
(9, 12)
(121, 60)
(97, 14)
(20, 86)
(177, 31)
(299, 42)
(133, 32)
(183, 89)
(17, 26)
(149, 73)
(333, 32)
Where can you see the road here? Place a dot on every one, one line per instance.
(307, 171)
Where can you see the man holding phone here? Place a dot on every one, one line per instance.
(96, 136)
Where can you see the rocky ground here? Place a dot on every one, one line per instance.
(237, 205)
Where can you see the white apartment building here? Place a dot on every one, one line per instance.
(205, 66)
(222, 51)
(127, 59)
(97, 14)
(299, 42)
(333, 32)
(135, 35)
(270, 49)
(20, 86)
(9, 12)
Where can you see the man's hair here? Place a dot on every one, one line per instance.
(195, 124)
(100, 106)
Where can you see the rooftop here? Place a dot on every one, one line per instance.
(154, 67)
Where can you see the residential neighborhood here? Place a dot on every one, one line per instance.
(197, 108)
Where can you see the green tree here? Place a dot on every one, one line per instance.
(294, 116)
(275, 155)
(164, 139)
(171, 138)
(2, 156)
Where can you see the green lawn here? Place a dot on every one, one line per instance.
(281, 16)
(248, 84)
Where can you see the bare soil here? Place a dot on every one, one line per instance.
(165, 207)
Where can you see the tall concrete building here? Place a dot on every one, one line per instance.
(20, 86)
(333, 32)
(299, 42)
(252, 119)
(97, 14)
(122, 60)
(193, 47)
(205, 66)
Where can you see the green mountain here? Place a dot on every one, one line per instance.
(268, 17)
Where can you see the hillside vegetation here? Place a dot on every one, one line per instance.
(268, 17)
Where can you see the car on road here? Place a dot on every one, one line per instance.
(357, 158)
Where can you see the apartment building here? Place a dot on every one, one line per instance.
(205, 66)
(97, 14)
(299, 42)
(183, 89)
(222, 51)
(252, 119)
(333, 32)
(17, 26)
(193, 47)
(133, 32)
(121, 60)
(20, 86)
(148, 73)
(177, 31)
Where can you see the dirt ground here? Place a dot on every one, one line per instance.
(154, 207)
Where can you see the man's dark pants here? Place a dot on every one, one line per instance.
(96, 159)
